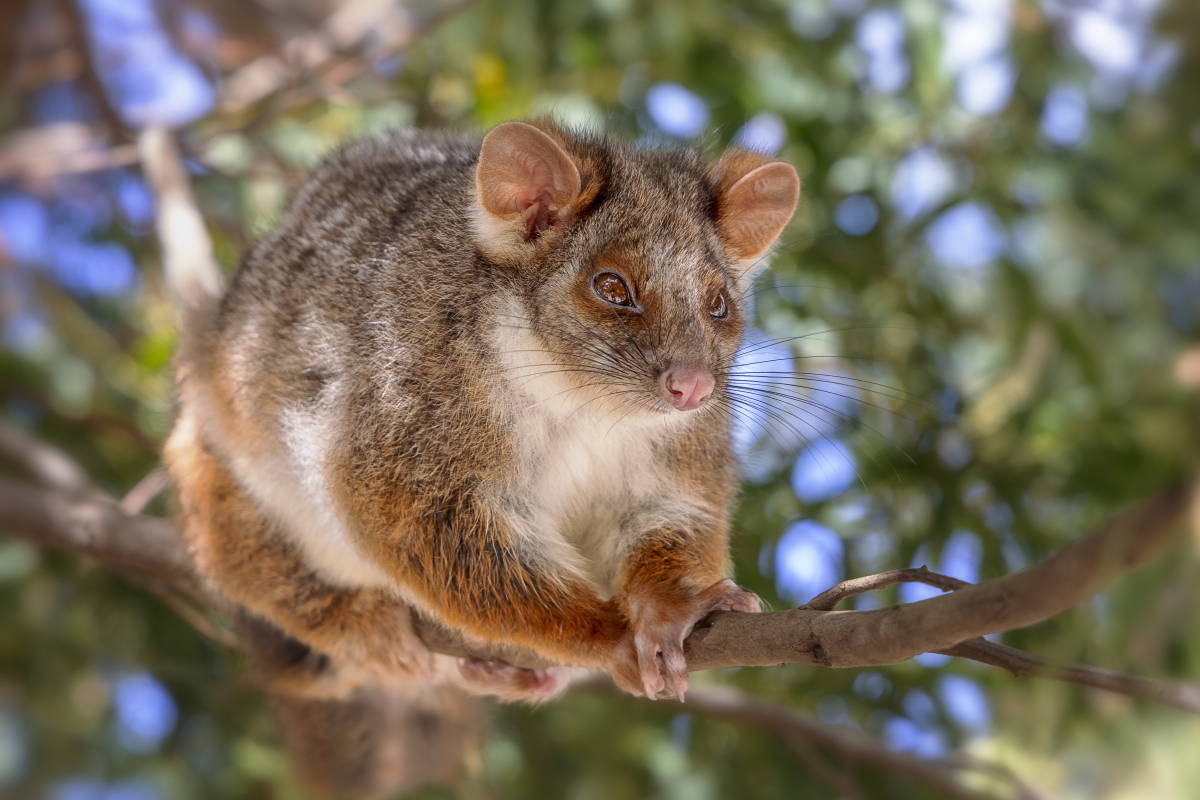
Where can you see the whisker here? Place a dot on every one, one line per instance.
(798, 403)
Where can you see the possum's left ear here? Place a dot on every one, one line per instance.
(755, 199)
(525, 184)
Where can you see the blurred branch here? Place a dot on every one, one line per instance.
(94, 527)
(187, 604)
(91, 80)
(390, 24)
(314, 65)
(35, 155)
(798, 732)
(149, 487)
(43, 462)
(100, 424)
(1030, 665)
(188, 263)
(877, 637)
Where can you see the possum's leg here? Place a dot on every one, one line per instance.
(465, 566)
(366, 632)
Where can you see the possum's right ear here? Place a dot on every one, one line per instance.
(525, 184)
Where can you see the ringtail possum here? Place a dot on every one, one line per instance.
(484, 381)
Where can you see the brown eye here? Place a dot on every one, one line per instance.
(719, 308)
(613, 289)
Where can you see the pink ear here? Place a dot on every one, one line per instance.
(755, 201)
(524, 174)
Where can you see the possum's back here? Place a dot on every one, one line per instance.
(379, 232)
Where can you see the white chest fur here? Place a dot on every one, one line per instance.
(586, 483)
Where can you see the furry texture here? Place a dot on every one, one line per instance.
(413, 397)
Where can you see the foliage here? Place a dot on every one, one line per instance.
(991, 296)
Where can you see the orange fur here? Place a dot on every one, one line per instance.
(367, 632)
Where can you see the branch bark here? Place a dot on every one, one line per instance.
(889, 635)
(391, 24)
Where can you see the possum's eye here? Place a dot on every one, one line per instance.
(719, 308)
(613, 289)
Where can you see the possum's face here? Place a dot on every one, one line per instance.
(635, 265)
(647, 312)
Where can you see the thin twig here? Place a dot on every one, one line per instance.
(149, 487)
(828, 599)
(97, 423)
(175, 601)
(1031, 665)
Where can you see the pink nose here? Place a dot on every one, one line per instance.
(687, 388)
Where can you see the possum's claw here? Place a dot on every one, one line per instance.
(660, 626)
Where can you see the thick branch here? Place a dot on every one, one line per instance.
(93, 527)
(808, 636)
(898, 633)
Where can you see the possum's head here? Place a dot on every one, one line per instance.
(632, 265)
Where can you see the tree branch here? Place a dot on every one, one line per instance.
(1018, 662)
(317, 50)
(94, 527)
(152, 484)
(948, 624)
(889, 635)
(798, 732)
(1030, 665)
(188, 263)
(43, 462)
(34, 155)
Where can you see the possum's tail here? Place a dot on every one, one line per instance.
(192, 274)
(371, 743)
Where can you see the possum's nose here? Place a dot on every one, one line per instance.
(687, 388)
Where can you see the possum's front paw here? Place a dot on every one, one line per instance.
(659, 624)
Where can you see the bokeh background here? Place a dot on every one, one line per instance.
(980, 337)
